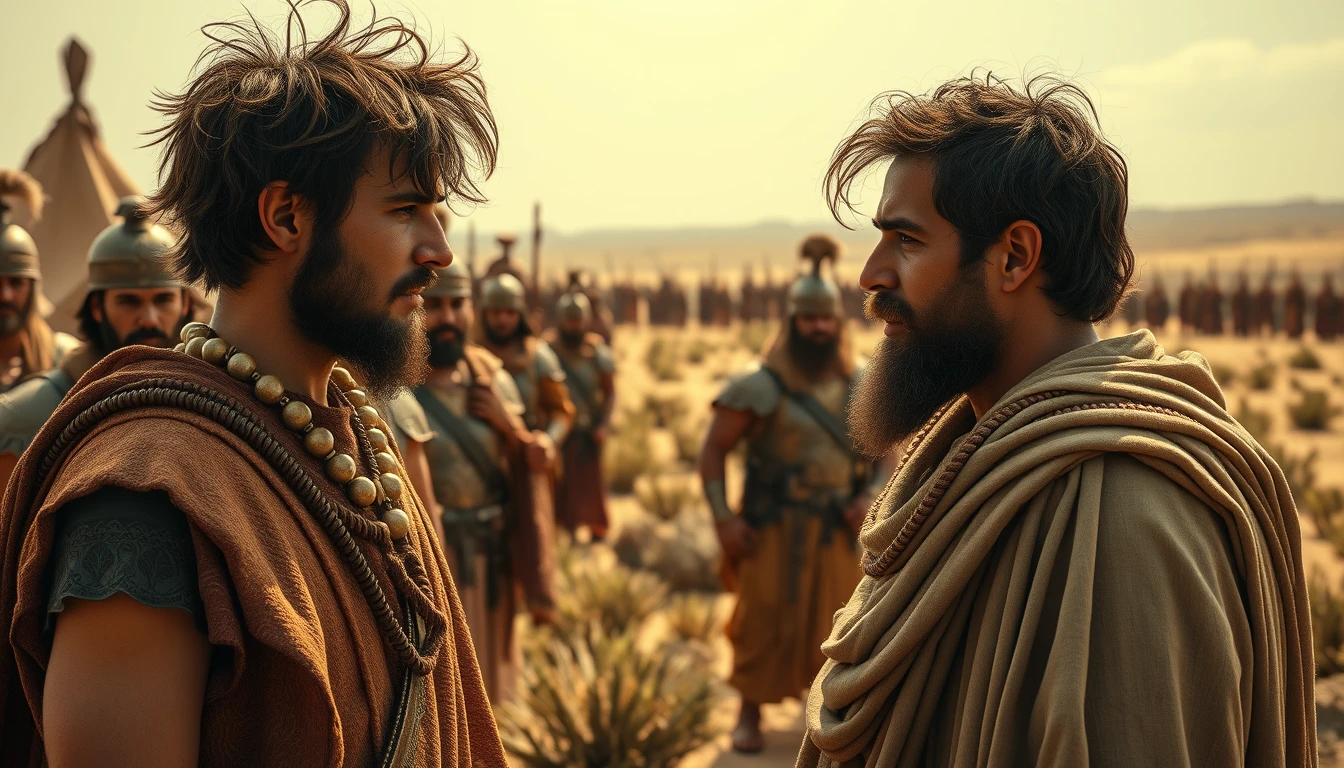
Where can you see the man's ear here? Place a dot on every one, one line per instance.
(1019, 254)
(96, 307)
(284, 218)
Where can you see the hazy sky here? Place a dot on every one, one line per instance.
(703, 112)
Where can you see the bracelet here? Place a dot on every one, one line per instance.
(717, 496)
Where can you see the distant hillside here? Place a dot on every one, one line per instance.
(775, 242)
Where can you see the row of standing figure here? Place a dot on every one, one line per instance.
(1205, 308)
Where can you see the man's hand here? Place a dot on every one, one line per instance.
(857, 512)
(484, 404)
(737, 538)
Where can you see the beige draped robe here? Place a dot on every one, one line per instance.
(1105, 570)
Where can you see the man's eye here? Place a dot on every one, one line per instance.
(409, 210)
(908, 240)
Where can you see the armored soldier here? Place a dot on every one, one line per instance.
(1263, 315)
(1210, 305)
(27, 343)
(1187, 305)
(133, 299)
(790, 550)
(1243, 306)
(1156, 306)
(590, 374)
(1329, 310)
(1295, 307)
(506, 332)
(488, 478)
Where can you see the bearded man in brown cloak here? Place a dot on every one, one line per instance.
(212, 555)
(789, 553)
(1083, 559)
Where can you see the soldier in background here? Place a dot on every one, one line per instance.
(27, 344)
(1243, 306)
(590, 374)
(133, 298)
(488, 478)
(1263, 316)
(746, 296)
(1187, 306)
(1156, 306)
(1329, 310)
(505, 330)
(1210, 316)
(1295, 307)
(790, 552)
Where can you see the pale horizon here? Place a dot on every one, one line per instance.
(642, 115)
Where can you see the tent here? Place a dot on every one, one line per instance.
(83, 184)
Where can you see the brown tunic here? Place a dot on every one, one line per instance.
(302, 675)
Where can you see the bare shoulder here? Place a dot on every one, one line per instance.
(753, 389)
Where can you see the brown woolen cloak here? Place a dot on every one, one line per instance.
(302, 675)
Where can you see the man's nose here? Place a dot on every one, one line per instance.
(878, 273)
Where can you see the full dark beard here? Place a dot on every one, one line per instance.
(150, 337)
(14, 317)
(910, 378)
(811, 354)
(329, 301)
(445, 349)
(573, 339)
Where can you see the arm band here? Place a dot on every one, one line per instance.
(717, 496)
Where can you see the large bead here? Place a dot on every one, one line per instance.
(368, 415)
(357, 397)
(193, 347)
(386, 461)
(269, 389)
(319, 442)
(398, 523)
(341, 468)
(195, 331)
(181, 347)
(242, 366)
(297, 415)
(214, 350)
(343, 379)
(361, 491)
(392, 486)
(377, 438)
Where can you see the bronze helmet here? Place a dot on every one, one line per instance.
(132, 254)
(504, 291)
(18, 251)
(573, 305)
(812, 293)
(454, 282)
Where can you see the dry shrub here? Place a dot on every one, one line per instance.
(684, 551)
(1256, 422)
(595, 589)
(1223, 374)
(753, 336)
(667, 495)
(698, 351)
(1305, 360)
(663, 359)
(1313, 411)
(666, 410)
(1300, 471)
(628, 453)
(1261, 377)
(694, 617)
(1327, 625)
(1324, 506)
(690, 436)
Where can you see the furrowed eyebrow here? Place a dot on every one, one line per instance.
(899, 222)
(410, 197)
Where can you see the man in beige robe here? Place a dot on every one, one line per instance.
(1083, 560)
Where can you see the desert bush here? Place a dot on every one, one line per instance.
(666, 410)
(1299, 470)
(663, 359)
(596, 590)
(667, 495)
(1327, 625)
(1254, 421)
(599, 700)
(628, 453)
(1313, 411)
(698, 351)
(694, 617)
(690, 436)
(1223, 374)
(683, 552)
(1305, 360)
(1261, 377)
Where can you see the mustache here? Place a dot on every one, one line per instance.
(420, 277)
(887, 307)
(445, 330)
(145, 335)
(6, 306)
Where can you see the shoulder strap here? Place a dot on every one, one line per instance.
(836, 430)
(576, 385)
(471, 447)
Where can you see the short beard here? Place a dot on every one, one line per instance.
(445, 352)
(940, 358)
(328, 302)
(572, 339)
(13, 321)
(503, 340)
(812, 355)
(149, 337)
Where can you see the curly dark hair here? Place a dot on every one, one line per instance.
(1005, 153)
(310, 112)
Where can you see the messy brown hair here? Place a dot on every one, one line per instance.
(1005, 153)
(310, 112)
